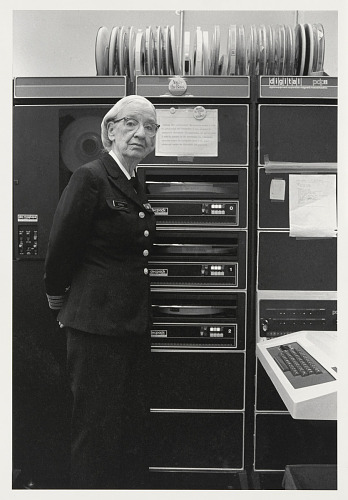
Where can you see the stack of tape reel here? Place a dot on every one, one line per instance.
(131, 52)
(256, 50)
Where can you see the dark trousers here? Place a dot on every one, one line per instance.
(108, 379)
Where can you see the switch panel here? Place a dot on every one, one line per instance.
(27, 240)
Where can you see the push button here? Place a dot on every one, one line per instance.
(145, 253)
(141, 215)
(146, 233)
(146, 271)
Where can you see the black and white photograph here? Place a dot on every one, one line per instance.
(174, 275)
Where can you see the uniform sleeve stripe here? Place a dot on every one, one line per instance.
(55, 301)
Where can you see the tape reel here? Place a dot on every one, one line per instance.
(300, 49)
(308, 69)
(241, 51)
(223, 65)
(198, 53)
(80, 142)
(121, 51)
(263, 50)
(149, 43)
(315, 48)
(158, 42)
(102, 51)
(170, 54)
(206, 53)
(131, 53)
(277, 51)
(282, 46)
(126, 52)
(321, 44)
(290, 50)
(139, 53)
(259, 50)
(187, 58)
(232, 50)
(113, 70)
(271, 50)
(174, 51)
(251, 52)
(215, 52)
(192, 56)
(253, 49)
(303, 49)
(165, 51)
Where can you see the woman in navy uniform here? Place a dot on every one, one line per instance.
(96, 277)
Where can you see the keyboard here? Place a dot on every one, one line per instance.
(301, 369)
(297, 361)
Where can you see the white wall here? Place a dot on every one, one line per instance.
(62, 42)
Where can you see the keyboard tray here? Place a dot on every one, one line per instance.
(300, 368)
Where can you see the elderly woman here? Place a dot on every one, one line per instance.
(96, 276)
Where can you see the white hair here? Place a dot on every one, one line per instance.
(115, 111)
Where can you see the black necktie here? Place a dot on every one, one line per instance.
(134, 181)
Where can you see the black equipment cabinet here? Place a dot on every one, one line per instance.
(296, 277)
(224, 273)
(297, 132)
(38, 350)
(200, 282)
(56, 127)
(287, 263)
(282, 440)
(199, 278)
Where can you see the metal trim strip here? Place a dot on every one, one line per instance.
(192, 85)
(195, 469)
(115, 83)
(196, 410)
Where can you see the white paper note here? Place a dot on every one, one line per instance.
(181, 134)
(277, 190)
(312, 205)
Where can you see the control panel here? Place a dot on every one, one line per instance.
(182, 334)
(27, 240)
(220, 208)
(198, 320)
(199, 259)
(185, 211)
(186, 271)
(219, 270)
(221, 331)
(200, 196)
(281, 317)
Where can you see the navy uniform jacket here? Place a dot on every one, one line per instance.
(99, 245)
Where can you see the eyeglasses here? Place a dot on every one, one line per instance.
(132, 125)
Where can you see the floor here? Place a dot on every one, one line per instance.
(173, 481)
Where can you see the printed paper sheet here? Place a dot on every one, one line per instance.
(182, 134)
(312, 205)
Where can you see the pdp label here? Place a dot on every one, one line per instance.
(159, 272)
(27, 218)
(159, 333)
(160, 210)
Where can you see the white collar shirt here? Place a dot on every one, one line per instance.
(124, 170)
